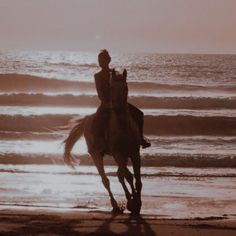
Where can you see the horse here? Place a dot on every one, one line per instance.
(123, 143)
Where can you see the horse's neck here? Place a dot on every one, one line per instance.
(123, 111)
(123, 128)
(119, 118)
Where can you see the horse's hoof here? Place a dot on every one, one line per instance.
(117, 210)
(136, 211)
(134, 206)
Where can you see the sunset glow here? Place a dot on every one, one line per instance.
(166, 26)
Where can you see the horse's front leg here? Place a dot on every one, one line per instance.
(98, 161)
(138, 183)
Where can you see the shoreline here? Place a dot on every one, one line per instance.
(41, 222)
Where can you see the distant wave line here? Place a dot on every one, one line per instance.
(20, 82)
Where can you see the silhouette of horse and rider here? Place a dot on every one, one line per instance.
(115, 129)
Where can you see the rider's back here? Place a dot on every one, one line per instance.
(102, 81)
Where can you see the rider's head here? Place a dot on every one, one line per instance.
(104, 58)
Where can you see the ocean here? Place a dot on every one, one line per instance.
(189, 102)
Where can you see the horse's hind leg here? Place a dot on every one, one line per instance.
(98, 161)
(131, 198)
(137, 173)
(121, 177)
(124, 173)
(138, 183)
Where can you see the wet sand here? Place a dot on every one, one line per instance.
(38, 222)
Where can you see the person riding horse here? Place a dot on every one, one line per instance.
(118, 127)
(102, 81)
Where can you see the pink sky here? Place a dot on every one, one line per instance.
(187, 26)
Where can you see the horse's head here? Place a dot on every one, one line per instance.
(119, 90)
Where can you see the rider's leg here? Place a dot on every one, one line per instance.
(139, 118)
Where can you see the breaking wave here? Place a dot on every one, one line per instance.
(157, 125)
(149, 161)
(37, 99)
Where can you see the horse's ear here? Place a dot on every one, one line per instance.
(113, 73)
(125, 74)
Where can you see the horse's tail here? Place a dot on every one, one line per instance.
(70, 141)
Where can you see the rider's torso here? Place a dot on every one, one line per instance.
(102, 80)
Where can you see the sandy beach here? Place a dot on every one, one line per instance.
(41, 222)
(53, 200)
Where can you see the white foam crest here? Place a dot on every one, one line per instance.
(37, 110)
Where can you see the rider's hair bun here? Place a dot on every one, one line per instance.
(104, 55)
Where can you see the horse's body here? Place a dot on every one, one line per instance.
(123, 142)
